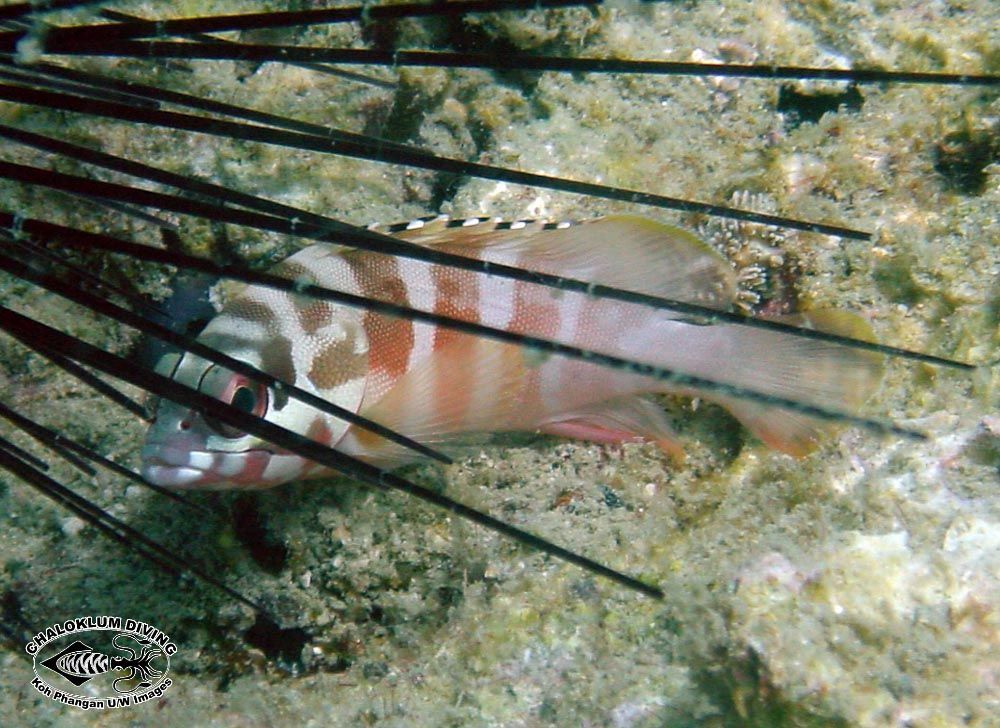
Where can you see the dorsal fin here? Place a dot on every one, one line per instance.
(623, 251)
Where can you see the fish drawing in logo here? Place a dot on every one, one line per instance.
(79, 663)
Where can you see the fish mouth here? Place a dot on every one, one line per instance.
(169, 476)
(174, 463)
(175, 467)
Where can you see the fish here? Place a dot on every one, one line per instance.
(435, 384)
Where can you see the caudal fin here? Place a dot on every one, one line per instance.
(805, 370)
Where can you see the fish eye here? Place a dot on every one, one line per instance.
(244, 399)
(235, 390)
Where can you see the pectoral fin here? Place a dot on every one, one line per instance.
(471, 385)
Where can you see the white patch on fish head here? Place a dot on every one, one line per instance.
(315, 346)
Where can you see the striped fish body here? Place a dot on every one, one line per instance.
(432, 383)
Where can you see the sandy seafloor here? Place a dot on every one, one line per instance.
(857, 586)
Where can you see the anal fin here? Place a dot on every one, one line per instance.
(626, 419)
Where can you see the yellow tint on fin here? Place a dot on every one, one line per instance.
(831, 375)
